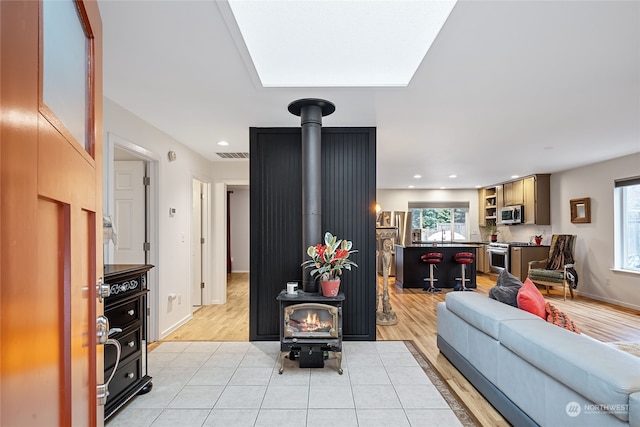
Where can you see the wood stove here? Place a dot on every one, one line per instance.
(310, 325)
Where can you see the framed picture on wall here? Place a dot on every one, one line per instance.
(581, 210)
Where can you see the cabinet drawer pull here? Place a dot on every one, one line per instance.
(131, 312)
(131, 343)
(130, 375)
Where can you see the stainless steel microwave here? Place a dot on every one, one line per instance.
(512, 214)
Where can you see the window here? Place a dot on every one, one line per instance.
(627, 224)
(440, 220)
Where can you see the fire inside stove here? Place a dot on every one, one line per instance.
(310, 320)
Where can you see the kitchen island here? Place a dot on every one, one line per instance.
(411, 270)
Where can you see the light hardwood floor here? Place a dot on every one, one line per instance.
(416, 312)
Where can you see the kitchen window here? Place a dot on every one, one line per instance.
(440, 221)
(627, 224)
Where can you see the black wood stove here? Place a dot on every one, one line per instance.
(310, 325)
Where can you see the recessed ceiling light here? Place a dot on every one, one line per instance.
(417, 176)
(453, 176)
(223, 143)
(411, 186)
(338, 43)
(443, 188)
(478, 186)
(515, 176)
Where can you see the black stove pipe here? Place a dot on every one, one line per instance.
(311, 111)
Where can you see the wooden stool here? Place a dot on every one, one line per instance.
(431, 258)
(463, 258)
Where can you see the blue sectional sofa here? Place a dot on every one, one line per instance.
(536, 373)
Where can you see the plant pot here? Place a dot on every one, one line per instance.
(494, 237)
(538, 241)
(330, 288)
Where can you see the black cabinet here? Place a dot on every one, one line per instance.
(126, 310)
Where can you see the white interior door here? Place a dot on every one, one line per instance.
(129, 212)
(196, 243)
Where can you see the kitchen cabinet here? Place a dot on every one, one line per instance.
(487, 205)
(482, 259)
(126, 309)
(513, 193)
(520, 257)
(411, 270)
(533, 192)
(537, 199)
(499, 202)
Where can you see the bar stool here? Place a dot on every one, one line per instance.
(463, 258)
(431, 258)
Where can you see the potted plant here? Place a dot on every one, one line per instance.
(538, 239)
(493, 232)
(328, 260)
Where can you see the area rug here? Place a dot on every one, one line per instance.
(631, 347)
(464, 416)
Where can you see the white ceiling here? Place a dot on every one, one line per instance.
(508, 87)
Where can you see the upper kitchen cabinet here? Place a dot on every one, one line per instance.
(533, 192)
(513, 193)
(488, 205)
(537, 199)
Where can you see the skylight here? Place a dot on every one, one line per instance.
(298, 43)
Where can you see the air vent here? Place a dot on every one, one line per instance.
(233, 155)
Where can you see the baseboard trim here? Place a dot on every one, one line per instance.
(175, 326)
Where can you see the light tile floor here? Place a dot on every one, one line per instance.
(237, 384)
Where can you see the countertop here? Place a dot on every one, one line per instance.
(462, 244)
(442, 245)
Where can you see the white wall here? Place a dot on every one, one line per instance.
(595, 244)
(174, 266)
(239, 208)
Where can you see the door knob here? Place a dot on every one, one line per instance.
(103, 290)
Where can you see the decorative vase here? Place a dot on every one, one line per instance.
(494, 237)
(330, 287)
(538, 241)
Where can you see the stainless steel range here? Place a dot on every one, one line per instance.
(499, 255)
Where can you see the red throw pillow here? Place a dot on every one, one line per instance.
(530, 299)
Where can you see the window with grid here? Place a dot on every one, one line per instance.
(448, 221)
